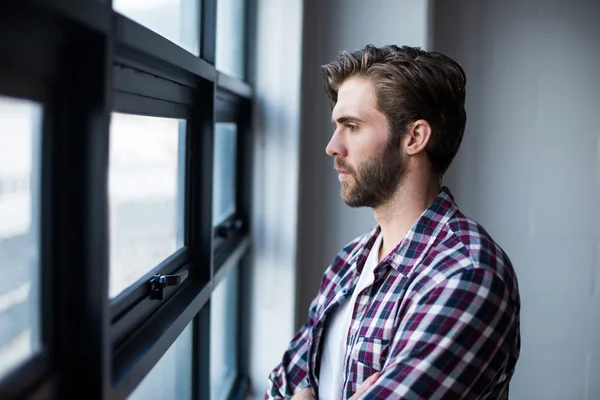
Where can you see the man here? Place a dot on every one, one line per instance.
(426, 305)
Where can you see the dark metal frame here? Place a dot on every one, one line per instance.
(83, 61)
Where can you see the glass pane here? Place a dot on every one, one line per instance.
(146, 195)
(230, 37)
(20, 157)
(176, 20)
(223, 336)
(224, 171)
(171, 377)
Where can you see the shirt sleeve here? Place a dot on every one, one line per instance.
(455, 341)
(291, 375)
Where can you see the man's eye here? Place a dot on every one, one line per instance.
(351, 127)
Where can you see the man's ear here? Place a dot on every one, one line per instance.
(417, 137)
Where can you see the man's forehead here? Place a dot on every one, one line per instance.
(356, 96)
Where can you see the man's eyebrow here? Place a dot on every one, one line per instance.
(346, 118)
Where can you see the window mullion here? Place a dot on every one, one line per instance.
(209, 31)
(81, 234)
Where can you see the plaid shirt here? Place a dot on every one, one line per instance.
(441, 320)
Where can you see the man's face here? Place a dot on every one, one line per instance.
(368, 162)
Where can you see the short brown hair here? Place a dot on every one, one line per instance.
(411, 84)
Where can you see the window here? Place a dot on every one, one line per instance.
(224, 175)
(146, 195)
(20, 122)
(176, 20)
(171, 377)
(230, 176)
(224, 336)
(124, 211)
(230, 37)
(230, 205)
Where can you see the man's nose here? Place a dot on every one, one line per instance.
(336, 147)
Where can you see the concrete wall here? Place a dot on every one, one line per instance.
(529, 171)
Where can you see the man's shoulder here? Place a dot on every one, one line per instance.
(340, 266)
(477, 242)
(347, 254)
(352, 248)
(466, 244)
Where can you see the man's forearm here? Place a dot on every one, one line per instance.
(304, 394)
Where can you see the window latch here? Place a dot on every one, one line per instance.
(227, 228)
(158, 282)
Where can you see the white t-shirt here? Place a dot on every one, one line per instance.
(331, 376)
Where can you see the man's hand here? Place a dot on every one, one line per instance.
(365, 385)
(304, 394)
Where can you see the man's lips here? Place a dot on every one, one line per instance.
(342, 173)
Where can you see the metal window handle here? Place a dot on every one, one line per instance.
(158, 282)
(229, 227)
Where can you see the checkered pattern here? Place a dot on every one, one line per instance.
(441, 320)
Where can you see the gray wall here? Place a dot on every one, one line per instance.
(325, 222)
(529, 171)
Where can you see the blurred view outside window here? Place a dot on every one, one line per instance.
(176, 20)
(146, 195)
(171, 377)
(224, 176)
(224, 336)
(20, 158)
(231, 27)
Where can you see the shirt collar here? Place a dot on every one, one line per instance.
(419, 238)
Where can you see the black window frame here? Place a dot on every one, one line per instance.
(82, 61)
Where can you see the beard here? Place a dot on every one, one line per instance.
(374, 181)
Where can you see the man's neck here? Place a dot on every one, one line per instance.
(398, 215)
